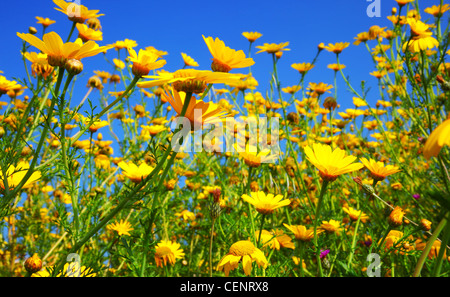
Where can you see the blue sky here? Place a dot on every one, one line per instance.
(177, 26)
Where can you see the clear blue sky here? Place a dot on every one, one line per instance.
(177, 26)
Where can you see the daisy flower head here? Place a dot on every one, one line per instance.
(189, 80)
(272, 48)
(188, 61)
(331, 163)
(136, 173)
(59, 52)
(437, 139)
(144, 61)
(224, 57)
(378, 170)
(45, 22)
(76, 13)
(337, 48)
(122, 227)
(265, 203)
(421, 37)
(198, 112)
(242, 252)
(15, 175)
(167, 251)
(302, 233)
(251, 36)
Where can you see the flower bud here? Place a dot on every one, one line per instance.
(33, 264)
(115, 78)
(94, 24)
(425, 224)
(73, 66)
(139, 110)
(95, 82)
(292, 117)
(395, 219)
(330, 103)
(32, 30)
(254, 187)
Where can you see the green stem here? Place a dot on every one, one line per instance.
(42, 139)
(210, 247)
(429, 244)
(64, 154)
(74, 24)
(316, 220)
(300, 247)
(389, 228)
(352, 249)
(263, 216)
(445, 239)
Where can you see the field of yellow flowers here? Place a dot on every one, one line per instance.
(203, 173)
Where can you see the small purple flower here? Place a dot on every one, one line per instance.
(323, 253)
(416, 196)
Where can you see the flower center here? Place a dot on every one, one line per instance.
(242, 248)
(163, 251)
(218, 66)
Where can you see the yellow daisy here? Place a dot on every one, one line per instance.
(59, 52)
(421, 37)
(122, 227)
(251, 36)
(188, 61)
(272, 48)
(167, 251)
(189, 80)
(301, 233)
(198, 112)
(86, 33)
(144, 61)
(275, 239)
(45, 22)
(134, 172)
(225, 58)
(437, 139)
(252, 157)
(242, 251)
(378, 170)
(265, 204)
(330, 163)
(355, 214)
(76, 13)
(15, 175)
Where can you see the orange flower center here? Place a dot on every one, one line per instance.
(218, 66)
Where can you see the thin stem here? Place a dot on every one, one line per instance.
(445, 239)
(74, 24)
(210, 247)
(316, 220)
(429, 244)
(43, 137)
(263, 216)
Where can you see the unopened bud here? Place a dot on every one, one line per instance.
(292, 117)
(425, 224)
(73, 66)
(33, 264)
(395, 219)
(330, 103)
(32, 30)
(94, 24)
(95, 82)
